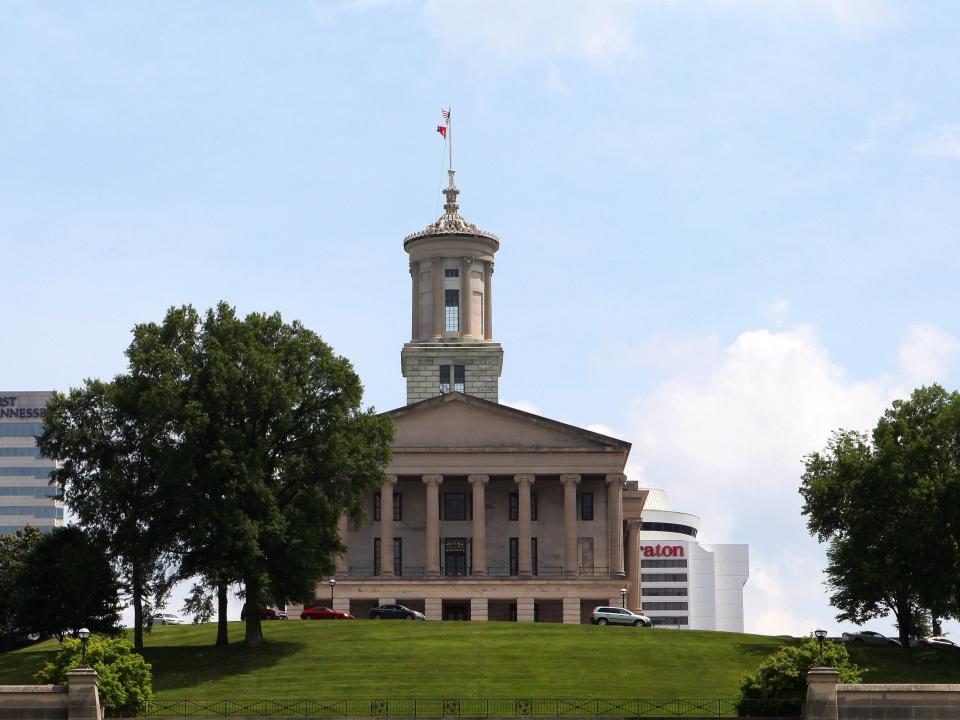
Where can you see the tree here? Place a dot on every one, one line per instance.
(779, 684)
(65, 583)
(120, 467)
(281, 449)
(199, 603)
(888, 506)
(126, 681)
(14, 550)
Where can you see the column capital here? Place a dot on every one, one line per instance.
(490, 266)
(433, 479)
(617, 479)
(413, 268)
(570, 478)
(527, 478)
(478, 479)
(436, 261)
(466, 261)
(389, 480)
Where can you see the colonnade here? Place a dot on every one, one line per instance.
(466, 298)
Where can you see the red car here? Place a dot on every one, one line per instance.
(324, 613)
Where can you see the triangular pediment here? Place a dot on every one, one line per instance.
(464, 422)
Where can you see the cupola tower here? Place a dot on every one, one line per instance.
(451, 344)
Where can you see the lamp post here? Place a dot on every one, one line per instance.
(623, 597)
(820, 635)
(84, 634)
(333, 584)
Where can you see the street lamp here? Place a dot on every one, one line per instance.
(820, 634)
(333, 584)
(623, 597)
(84, 638)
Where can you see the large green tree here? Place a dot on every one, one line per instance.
(14, 550)
(281, 448)
(66, 582)
(888, 504)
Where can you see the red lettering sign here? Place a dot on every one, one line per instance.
(662, 550)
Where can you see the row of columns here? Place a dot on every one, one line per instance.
(466, 298)
(524, 483)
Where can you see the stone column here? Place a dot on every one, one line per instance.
(634, 592)
(386, 526)
(821, 701)
(615, 523)
(479, 609)
(436, 265)
(488, 301)
(83, 697)
(525, 611)
(479, 555)
(433, 523)
(571, 611)
(524, 561)
(466, 297)
(415, 309)
(433, 608)
(342, 567)
(570, 565)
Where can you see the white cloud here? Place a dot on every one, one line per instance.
(945, 143)
(724, 432)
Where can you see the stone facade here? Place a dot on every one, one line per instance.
(828, 700)
(420, 363)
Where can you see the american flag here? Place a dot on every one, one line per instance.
(446, 114)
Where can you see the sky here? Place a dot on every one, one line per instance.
(728, 227)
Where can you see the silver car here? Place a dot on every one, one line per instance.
(166, 619)
(868, 637)
(618, 616)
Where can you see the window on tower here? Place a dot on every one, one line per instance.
(444, 379)
(451, 272)
(459, 378)
(452, 310)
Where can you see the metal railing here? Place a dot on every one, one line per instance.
(474, 708)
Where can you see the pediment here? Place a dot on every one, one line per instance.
(456, 421)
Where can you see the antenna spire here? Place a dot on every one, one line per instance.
(450, 207)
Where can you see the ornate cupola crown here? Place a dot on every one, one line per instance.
(452, 222)
(451, 346)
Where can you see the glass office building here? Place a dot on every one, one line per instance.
(26, 496)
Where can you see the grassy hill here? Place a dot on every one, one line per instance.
(333, 660)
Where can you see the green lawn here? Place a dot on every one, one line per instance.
(333, 660)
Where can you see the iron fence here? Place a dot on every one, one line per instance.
(473, 708)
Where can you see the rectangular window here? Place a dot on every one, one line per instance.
(397, 507)
(451, 302)
(533, 555)
(451, 272)
(376, 556)
(455, 556)
(398, 556)
(586, 506)
(459, 378)
(666, 577)
(514, 556)
(444, 379)
(514, 506)
(455, 506)
(376, 506)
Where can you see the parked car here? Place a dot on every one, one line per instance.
(324, 613)
(268, 613)
(934, 641)
(868, 637)
(165, 619)
(618, 616)
(395, 612)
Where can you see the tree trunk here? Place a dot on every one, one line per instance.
(937, 628)
(904, 614)
(137, 582)
(254, 633)
(222, 636)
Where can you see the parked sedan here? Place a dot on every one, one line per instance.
(324, 613)
(868, 637)
(618, 616)
(395, 612)
(165, 619)
(935, 641)
(266, 613)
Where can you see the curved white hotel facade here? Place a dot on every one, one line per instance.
(686, 584)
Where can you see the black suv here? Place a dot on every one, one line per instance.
(395, 612)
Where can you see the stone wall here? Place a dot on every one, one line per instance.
(828, 700)
(78, 700)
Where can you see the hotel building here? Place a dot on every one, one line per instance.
(26, 497)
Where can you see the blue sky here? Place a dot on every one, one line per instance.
(728, 226)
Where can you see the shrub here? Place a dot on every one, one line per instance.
(125, 677)
(779, 685)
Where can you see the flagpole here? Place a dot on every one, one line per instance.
(450, 134)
